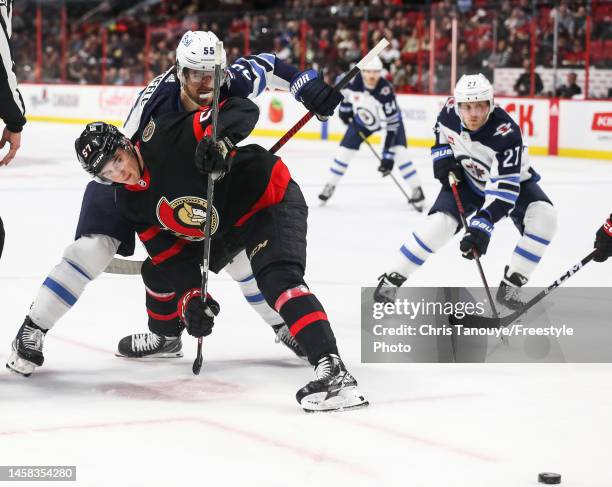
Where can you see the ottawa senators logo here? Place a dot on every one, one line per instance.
(185, 217)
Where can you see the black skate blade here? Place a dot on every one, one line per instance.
(151, 357)
(338, 410)
(17, 372)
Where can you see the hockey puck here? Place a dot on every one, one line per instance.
(549, 478)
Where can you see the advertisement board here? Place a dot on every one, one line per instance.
(574, 128)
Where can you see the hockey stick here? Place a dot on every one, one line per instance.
(452, 179)
(210, 194)
(377, 49)
(410, 201)
(117, 265)
(475, 321)
(124, 266)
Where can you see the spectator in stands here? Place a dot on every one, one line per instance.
(576, 56)
(501, 57)
(522, 87)
(390, 55)
(411, 47)
(564, 18)
(516, 20)
(464, 6)
(570, 89)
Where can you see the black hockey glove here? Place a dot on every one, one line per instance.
(345, 112)
(603, 241)
(214, 157)
(477, 235)
(386, 163)
(316, 95)
(444, 163)
(198, 317)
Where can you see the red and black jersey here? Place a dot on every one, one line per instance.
(168, 205)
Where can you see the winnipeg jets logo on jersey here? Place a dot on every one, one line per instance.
(503, 130)
(185, 217)
(366, 108)
(477, 169)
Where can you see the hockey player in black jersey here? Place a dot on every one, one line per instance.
(603, 242)
(256, 204)
(102, 231)
(479, 143)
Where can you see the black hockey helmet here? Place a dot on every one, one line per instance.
(97, 145)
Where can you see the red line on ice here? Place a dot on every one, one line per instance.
(312, 455)
(418, 439)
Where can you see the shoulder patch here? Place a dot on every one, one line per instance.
(503, 129)
(450, 104)
(147, 133)
(386, 90)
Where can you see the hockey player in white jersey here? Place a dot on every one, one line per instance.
(369, 102)
(479, 143)
(102, 232)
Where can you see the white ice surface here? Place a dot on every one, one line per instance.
(130, 423)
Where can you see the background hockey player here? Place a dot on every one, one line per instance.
(12, 109)
(603, 241)
(369, 100)
(479, 143)
(256, 202)
(102, 232)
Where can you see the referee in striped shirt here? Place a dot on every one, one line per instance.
(12, 109)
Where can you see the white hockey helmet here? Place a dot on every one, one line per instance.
(196, 51)
(375, 64)
(473, 87)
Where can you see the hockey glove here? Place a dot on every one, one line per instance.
(316, 95)
(346, 113)
(199, 317)
(386, 163)
(214, 157)
(477, 235)
(444, 163)
(603, 241)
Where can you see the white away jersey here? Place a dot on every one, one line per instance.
(494, 158)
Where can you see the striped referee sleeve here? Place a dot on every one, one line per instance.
(12, 108)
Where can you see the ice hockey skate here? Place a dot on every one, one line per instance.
(327, 193)
(333, 390)
(417, 199)
(149, 345)
(27, 347)
(509, 291)
(284, 336)
(387, 287)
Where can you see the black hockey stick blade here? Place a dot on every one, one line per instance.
(197, 363)
(474, 321)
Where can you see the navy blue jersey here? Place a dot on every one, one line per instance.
(246, 78)
(494, 158)
(372, 107)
